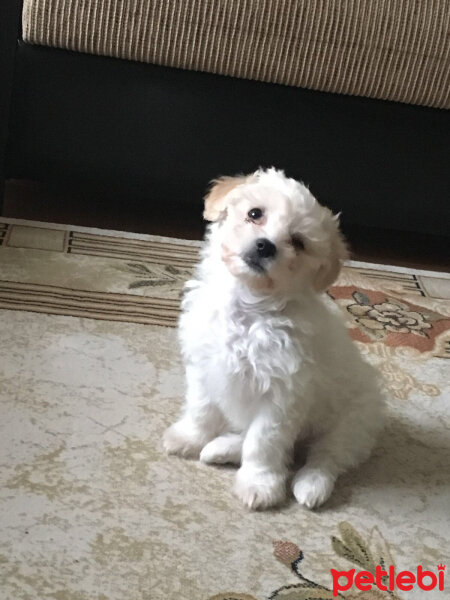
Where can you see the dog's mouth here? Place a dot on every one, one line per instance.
(255, 264)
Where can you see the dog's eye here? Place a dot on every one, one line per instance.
(255, 214)
(297, 242)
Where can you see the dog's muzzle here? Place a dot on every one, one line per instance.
(261, 253)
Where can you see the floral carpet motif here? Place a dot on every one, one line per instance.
(90, 376)
(376, 316)
(357, 551)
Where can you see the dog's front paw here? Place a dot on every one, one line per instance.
(312, 487)
(182, 441)
(259, 489)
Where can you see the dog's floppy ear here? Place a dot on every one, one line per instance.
(332, 262)
(216, 198)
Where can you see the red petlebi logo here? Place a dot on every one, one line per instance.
(388, 580)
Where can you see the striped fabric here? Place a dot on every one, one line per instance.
(389, 49)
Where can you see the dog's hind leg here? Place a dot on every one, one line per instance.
(201, 421)
(224, 449)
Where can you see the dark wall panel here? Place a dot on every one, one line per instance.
(157, 134)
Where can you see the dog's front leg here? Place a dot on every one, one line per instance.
(266, 452)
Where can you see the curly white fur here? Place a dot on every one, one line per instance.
(268, 361)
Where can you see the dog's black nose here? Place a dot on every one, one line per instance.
(265, 248)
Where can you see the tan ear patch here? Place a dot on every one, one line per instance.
(331, 268)
(215, 199)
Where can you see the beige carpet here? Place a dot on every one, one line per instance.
(90, 375)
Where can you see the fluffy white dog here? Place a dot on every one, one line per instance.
(268, 362)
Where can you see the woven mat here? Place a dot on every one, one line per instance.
(90, 375)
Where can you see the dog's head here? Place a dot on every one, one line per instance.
(272, 232)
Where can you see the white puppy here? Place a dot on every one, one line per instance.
(268, 363)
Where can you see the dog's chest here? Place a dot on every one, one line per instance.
(234, 342)
(254, 345)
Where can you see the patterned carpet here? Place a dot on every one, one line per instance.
(90, 375)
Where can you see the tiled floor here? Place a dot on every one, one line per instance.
(32, 200)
